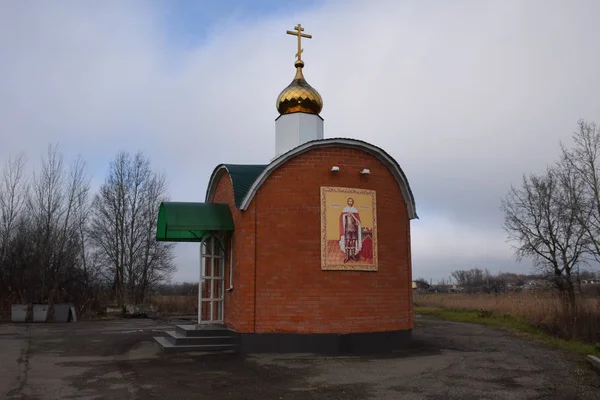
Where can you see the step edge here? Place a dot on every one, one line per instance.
(163, 340)
(178, 335)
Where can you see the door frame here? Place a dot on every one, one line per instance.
(216, 281)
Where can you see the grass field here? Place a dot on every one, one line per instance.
(175, 305)
(526, 312)
(515, 325)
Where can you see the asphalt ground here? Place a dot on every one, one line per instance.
(119, 360)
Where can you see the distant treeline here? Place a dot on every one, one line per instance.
(62, 242)
(481, 280)
(178, 289)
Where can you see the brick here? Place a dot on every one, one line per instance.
(277, 245)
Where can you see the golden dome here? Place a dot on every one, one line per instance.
(299, 96)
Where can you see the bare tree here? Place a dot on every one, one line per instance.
(584, 160)
(56, 245)
(123, 228)
(71, 239)
(474, 279)
(157, 257)
(544, 217)
(40, 235)
(45, 208)
(13, 193)
(56, 207)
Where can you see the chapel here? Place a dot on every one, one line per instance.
(309, 252)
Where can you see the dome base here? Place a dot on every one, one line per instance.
(292, 130)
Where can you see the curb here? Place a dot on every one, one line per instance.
(595, 361)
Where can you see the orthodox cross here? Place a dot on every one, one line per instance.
(298, 28)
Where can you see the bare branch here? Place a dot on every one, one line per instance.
(13, 193)
(123, 227)
(544, 218)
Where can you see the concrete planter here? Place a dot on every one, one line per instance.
(62, 312)
(138, 309)
(40, 312)
(18, 312)
(114, 310)
(153, 314)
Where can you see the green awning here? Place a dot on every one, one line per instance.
(191, 222)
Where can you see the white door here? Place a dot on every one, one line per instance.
(212, 281)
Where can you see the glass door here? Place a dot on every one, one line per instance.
(212, 281)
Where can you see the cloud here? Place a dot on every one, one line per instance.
(466, 96)
(441, 245)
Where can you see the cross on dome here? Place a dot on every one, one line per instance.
(299, 96)
(299, 29)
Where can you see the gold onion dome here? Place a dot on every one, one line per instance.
(299, 96)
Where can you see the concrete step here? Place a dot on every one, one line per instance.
(178, 339)
(203, 330)
(169, 347)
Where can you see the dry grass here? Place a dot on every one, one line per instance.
(542, 310)
(95, 307)
(175, 305)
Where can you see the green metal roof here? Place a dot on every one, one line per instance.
(190, 222)
(242, 177)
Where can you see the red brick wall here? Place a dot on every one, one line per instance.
(293, 294)
(239, 302)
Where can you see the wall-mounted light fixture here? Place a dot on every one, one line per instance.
(365, 171)
(335, 168)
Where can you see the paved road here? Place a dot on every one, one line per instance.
(118, 360)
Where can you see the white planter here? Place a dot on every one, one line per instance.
(112, 310)
(62, 311)
(18, 312)
(153, 314)
(40, 312)
(138, 309)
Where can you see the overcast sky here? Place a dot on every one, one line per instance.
(466, 95)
